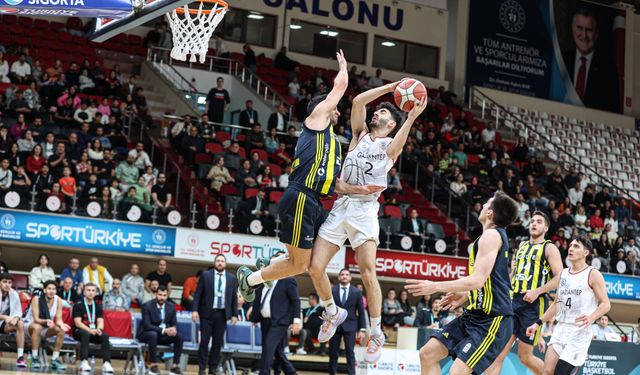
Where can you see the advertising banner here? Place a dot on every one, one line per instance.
(86, 233)
(391, 362)
(239, 249)
(406, 265)
(68, 8)
(622, 287)
(569, 51)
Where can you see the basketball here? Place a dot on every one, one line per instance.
(407, 92)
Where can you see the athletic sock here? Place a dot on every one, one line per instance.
(376, 324)
(255, 278)
(34, 353)
(20, 352)
(330, 307)
(55, 356)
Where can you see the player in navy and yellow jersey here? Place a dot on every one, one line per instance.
(536, 269)
(316, 167)
(476, 338)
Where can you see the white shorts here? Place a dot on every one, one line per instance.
(571, 343)
(43, 332)
(355, 220)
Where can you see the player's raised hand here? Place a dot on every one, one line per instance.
(452, 300)
(531, 330)
(420, 287)
(418, 108)
(342, 61)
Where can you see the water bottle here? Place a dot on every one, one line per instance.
(93, 362)
(28, 360)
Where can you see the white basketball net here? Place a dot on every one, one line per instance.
(191, 32)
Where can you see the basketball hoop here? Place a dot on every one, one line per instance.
(192, 28)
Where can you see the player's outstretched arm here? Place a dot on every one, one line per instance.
(395, 147)
(488, 246)
(318, 119)
(555, 261)
(359, 107)
(599, 289)
(345, 188)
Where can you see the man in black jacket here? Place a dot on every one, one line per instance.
(257, 208)
(279, 119)
(248, 116)
(214, 302)
(160, 327)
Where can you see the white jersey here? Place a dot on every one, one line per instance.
(52, 310)
(368, 163)
(575, 296)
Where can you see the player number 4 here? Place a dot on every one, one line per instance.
(568, 303)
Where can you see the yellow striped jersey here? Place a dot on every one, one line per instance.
(531, 269)
(316, 163)
(494, 298)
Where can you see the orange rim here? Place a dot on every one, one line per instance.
(222, 7)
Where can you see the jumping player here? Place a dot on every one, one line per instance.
(476, 338)
(581, 300)
(355, 217)
(315, 168)
(533, 264)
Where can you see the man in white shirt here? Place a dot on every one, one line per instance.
(488, 134)
(375, 81)
(99, 275)
(21, 70)
(11, 315)
(6, 177)
(279, 119)
(575, 194)
(523, 207)
(283, 181)
(141, 158)
(601, 329)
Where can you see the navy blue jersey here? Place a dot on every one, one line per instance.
(494, 298)
(316, 163)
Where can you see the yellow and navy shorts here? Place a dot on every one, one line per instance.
(525, 314)
(476, 339)
(301, 215)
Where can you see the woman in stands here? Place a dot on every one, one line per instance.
(45, 320)
(15, 160)
(40, 274)
(95, 151)
(408, 315)
(391, 309)
(266, 180)
(4, 69)
(219, 175)
(106, 203)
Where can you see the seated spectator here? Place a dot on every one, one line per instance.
(256, 163)
(245, 178)
(41, 273)
(142, 193)
(408, 313)
(105, 169)
(89, 328)
(602, 250)
(150, 294)
(488, 134)
(311, 323)
(57, 192)
(413, 227)
(257, 208)
(85, 82)
(11, 316)
(19, 128)
(67, 292)
(207, 131)
(294, 88)
(423, 313)
(68, 185)
(97, 275)
(601, 329)
(115, 299)
(4, 69)
(632, 247)
(189, 287)
(265, 179)
(82, 114)
(127, 173)
(633, 264)
(160, 275)
(83, 169)
(255, 138)
(191, 145)
(279, 119)
(626, 224)
(133, 284)
(283, 180)
(22, 184)
(44, 320)
(375, 81)
(48, 146)
(161, 195)
(391, 310)
(6, 177)
(595, 220)
(219, 175)
(21, 71)
(458, 186)
(282, 156)
(59, 161)
(394, 186)
(141, 159)
(15, 158)
(160, 327)
(95, 151)
(283, 62)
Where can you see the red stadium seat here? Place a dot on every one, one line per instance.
(222, 136)
(118, 324)
(203, 158)
(229, 189)
(393, 211)
(20, 282)
(214, 148)
(275, 196)
(275, 169)
(250, 193)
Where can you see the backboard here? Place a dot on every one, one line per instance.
(105, 28)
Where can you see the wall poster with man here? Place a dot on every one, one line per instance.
(577, 59)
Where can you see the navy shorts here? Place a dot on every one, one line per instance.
(525, 314)
(476, 339)
(301, 215)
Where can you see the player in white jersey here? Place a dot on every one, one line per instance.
(371, 155)
(580, 300)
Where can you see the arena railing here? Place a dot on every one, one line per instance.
(502, 113)
(230, 66)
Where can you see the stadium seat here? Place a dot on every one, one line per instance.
(392, 211)
(203, 158)
(250, 193)
(263, 155)
(275, 196)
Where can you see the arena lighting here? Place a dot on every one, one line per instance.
(406, 242)
(12, 199)
(213, 222)
(329, 33)
(295, 27)
(174, 218)
(256, 226)
(388, 43)
(255, 16)
(441, 246)
(134, 213)
(94, 209)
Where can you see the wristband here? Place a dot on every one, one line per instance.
(539, 322)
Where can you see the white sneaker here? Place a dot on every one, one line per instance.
(106, 368)
(301, 351)
(330, 324)
(374, 348)
(84, 366)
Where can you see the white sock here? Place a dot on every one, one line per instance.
(279, 258)
(330, 307)
(55, 356)
(34, 353)
(376, 326)
(255, 278)
(20, 352)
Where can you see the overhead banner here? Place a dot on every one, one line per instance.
(239, 249)
(86, 233)
(407, 265)
(569, 51)
(622, 287)
(68, 8)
